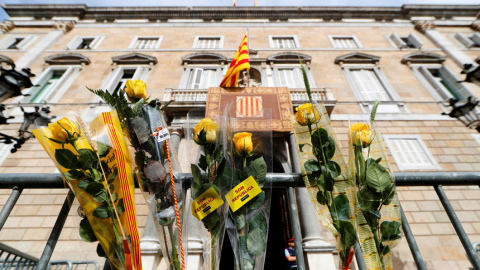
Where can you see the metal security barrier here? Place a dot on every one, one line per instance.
(18, 182)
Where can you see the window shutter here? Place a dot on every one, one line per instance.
(476, 38)
(195, 78)
(7, 41)
(413, 40)
(398, 41)
(464, 40)
(461, 91)
(429, 77)
(299, 83)
(73, 45)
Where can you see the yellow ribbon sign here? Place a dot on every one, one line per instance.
(243, 193)
(206, 203)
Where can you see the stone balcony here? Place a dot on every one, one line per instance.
(186, 99)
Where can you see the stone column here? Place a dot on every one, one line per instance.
(150, 247)
(313, 243)
(457, 55)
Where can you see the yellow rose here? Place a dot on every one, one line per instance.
(306, 114)
(59, 128)
(136, 89)
(361, 133)
(243, 141)
(211, 129)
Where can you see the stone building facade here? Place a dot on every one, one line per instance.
(409, 57)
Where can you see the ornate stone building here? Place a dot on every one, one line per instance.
(409, 57)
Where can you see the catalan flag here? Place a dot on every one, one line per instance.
(239, 63)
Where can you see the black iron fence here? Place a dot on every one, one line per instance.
(18, 182)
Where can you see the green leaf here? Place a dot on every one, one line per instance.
(212, 220)
(86, 231)
(323, 197)
(319, 138)
(388, 195)
(378, 178)
(247, 264)
(112, 176)
(197, 180)
(334, 169)
(300, 146)
(259, 167)
(374, 110)
(230, 177)
(369, 199)
(103, 149)
(207, 186)
(120, 207)
(101, 212)
(218, 153)
(202, 163)
(83, 184)
(74, 175)
(239, 220)
(256, 202)
(329, 149)
(347, 233)
(259, 221)
(311, 165)
(307, 84)
(340, 208)
(97, 176)
(220, 172)
(66, 159)
(100, 251)
(56, 141)
(390, 230)
(256, 241)
(86, 158)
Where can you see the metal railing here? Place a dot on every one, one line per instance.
(18, 182)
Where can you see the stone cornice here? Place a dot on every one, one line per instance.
(219, 13)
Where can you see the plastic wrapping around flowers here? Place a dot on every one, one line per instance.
(93, 162)
(208, 192)
(325, 175)
(249, 199)
(156, 165)
(378, 214)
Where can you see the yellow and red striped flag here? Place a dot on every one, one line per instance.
(234, 4)
(239, 63)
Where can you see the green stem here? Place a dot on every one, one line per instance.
(174, 261)
(207, 156)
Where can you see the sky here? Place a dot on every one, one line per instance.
(97, 3)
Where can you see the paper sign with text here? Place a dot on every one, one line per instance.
(206, 203)
(242, 193)
(163, 135)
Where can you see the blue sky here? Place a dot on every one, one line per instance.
(97, 3)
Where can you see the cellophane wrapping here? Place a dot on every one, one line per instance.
(377, 200)
(342, 183)
(92, 158)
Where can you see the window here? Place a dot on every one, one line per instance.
(290, 77)
(85, 43)
(469, 41)
(141, 43)
(11, 42)
(410, 153)
(410, 41)
(441, 82)
(202, 78)
(52, 84)
(208, 42)
(283, 42)
(119, 76)
(345, 42)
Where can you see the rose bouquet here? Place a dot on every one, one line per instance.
(156, 165)
(92, 161)
(249, 202)
(378, 217)
(208, 193)
(325, 175)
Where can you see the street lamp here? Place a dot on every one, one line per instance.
(39, 115)
(12, 82)
(465, 112)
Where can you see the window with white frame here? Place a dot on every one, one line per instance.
(290, 77)
(283, 42)
(11, 42)
(84, 42)
(143, 43)
(52, 84)
(410, 153)
(202, 78)
(215, 42)
(345, 42)
(410, 41)
(119, 76)
(369, 84)
(468, 40)
(441, 82)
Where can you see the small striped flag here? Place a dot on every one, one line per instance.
(234, 4)
(239, 63)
